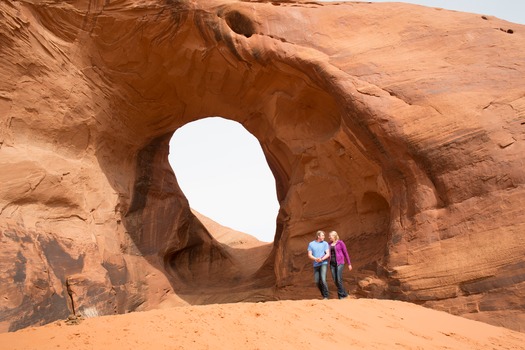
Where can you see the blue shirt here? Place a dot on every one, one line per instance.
(318, 250)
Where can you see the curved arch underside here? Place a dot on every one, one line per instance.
(388, 123)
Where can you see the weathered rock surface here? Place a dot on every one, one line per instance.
(402, 127)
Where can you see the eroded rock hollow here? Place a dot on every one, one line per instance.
(401, 127)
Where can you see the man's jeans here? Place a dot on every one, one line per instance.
(337, 275)
(320, 279)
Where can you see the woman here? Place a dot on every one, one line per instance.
(338, 254)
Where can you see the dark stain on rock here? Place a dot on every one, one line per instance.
(29, 314)
(60, 261)
(118, 274)
(144, 171)
(20, 268)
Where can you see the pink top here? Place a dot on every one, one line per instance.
(341, 253)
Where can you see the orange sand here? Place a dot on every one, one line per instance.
(304, 324)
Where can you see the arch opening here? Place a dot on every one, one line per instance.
(222, 171)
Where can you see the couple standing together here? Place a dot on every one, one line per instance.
(334, 253)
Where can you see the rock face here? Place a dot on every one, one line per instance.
(401, 127)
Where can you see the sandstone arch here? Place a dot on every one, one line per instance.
(412, 165)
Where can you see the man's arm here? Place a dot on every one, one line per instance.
(326, 254)
(311, 256)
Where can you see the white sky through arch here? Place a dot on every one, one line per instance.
(222, 171)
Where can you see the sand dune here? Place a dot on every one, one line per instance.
(303, 324)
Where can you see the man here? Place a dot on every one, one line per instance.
(319, 252)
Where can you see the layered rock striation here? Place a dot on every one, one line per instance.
(402, 127)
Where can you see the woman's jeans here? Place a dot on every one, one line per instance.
(320, 279)
(337, 275)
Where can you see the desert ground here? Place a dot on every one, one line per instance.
(302, 324)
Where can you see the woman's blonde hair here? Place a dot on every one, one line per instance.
(334, 234)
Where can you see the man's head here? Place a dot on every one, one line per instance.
(320, 236)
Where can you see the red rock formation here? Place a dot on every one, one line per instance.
(399, 126)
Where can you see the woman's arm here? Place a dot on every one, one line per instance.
(345, 252)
